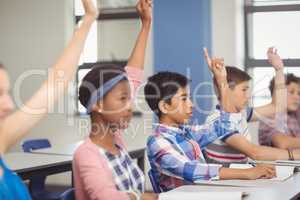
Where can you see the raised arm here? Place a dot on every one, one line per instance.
(216, 66)
(278, 106)
(137, 58)
(44, 99)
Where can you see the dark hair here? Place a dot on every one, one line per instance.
(235, 76)
(289, 78)
(95, 78)
(163, 86)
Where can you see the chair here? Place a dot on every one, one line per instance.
(154, 182)
(68, 195)
(37, 184)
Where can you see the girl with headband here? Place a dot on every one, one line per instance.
(102, 167)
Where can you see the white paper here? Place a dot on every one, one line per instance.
(282, 172)
(207, 195)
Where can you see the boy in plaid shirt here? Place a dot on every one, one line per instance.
(174, 149)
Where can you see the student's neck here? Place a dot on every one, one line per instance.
(164, 120)
(103, 135)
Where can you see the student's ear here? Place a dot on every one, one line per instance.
(98, 107)
(163, 107)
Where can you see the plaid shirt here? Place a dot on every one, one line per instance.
(127, 175)
(268, 129)
(173, 155)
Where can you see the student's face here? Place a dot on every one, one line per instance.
(293, 96)
(116, 108)
(239, 95)
(6, 103)
(180, 110)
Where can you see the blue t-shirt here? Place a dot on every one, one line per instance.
(11, 186)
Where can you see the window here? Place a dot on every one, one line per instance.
(271, 23)
(105, 45)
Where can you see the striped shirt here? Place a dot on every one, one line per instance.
(175, 153)
(221, 153)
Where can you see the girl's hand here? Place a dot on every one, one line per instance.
(90, 9)
(144, 9)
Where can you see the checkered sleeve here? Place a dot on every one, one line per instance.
(172, 163)
(221, 127)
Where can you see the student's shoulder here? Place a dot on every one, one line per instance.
(155, 136)
(214, 115)
(86, 150)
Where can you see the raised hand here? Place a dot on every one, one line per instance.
(216, 66)
(144, 9)
(90, 9)
(274, 59)
(207, 58)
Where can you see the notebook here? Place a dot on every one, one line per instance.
(197, 195)
(283, 173)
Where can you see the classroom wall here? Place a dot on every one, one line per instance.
(181, 30)
(228, 31)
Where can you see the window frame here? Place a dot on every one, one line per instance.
(249, 10)
(105, 14)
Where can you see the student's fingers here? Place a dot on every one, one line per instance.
(271, 171)
(149, 2)
(139, 6)
(143, 4)
(219, 62)
(207, 57)
(90, 8)
(270, 51)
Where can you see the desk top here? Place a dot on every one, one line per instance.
(277, 191)
(69, 149)
(19, 161)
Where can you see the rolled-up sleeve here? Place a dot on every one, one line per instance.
(135, 76)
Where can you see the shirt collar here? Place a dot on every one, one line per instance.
(170, 129)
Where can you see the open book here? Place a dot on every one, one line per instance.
(197, 194)
(282, 172)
